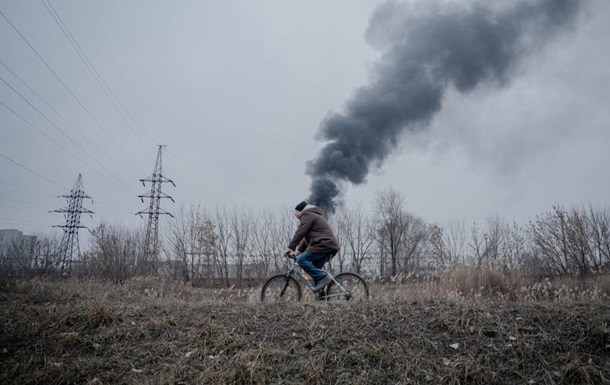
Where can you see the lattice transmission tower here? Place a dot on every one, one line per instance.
(69, 248)
(151, 242)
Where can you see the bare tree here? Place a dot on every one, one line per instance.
(500, 246)
(356, 231)
(22, 254)
(438, 249)
(477, 245)
(572, 242)
(401, 236)
(242, 226)
(588, 239)
(493, 240)
(280, 226)
(188, 239)
(492, 247)
(448, 244)
(262, 240)
(223, 236)
(5, 263)
(113, 252)
(181, 239)
(46, 248)
(599, 225)
(271, 234)
(455, 241)
(550, 238)
(389, 206)
(414, 243)
(516, 245)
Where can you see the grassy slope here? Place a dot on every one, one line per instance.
(101, 334)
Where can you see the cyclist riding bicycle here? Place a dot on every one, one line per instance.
(313, 242)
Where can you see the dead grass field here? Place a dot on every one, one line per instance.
(411, 332)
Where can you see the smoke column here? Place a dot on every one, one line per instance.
(425, 50)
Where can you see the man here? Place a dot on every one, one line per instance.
(318, 244)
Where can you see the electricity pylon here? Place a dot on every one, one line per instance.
(151, 242)
(69, 248)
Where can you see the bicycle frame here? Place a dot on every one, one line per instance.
(296, 272)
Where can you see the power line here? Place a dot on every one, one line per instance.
(23, 192)
(37, 193)
(64, 119)
(100, 80)
(219, 181)
(32, 171)
(29, 203)
(48, 206)
(60, 130)
(21, 208)
(22, 222)
(40, 131)
(112, 207)
(65, 149)
(70, 91)
(30, 187)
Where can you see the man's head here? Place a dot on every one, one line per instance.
(299, 208)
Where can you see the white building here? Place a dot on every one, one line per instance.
(12, 244)
(10, 237)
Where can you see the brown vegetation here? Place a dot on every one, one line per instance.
(226, 248)
(469, 327)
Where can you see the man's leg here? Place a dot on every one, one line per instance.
(321, 262)
(309, 263)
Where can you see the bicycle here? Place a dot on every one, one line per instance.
(287, 287)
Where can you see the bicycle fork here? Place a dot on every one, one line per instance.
(286, 283)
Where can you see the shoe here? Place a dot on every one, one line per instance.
(323, 282)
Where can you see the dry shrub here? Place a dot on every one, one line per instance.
(473, 283)
(457, 284)
(603, 283)
(592, 289)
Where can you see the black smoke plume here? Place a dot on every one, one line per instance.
(425, 51)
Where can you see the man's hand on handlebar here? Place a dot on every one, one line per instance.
(290, 253)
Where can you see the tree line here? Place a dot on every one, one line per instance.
(226, 247)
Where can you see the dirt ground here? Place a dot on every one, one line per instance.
(70, 338)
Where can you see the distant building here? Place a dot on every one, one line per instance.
(11, 237)
(13, 245)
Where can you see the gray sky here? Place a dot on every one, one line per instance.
(237, 91)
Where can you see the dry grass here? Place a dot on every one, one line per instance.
(460, 329)
(481, 285)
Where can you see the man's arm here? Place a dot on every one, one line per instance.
(302, 246)
(302, 230)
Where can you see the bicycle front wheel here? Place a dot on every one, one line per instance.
(281, 288)
(352, 288)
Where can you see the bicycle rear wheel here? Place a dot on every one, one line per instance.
(353, 288)
(281, 288)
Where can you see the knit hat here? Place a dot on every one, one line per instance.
(301, 206)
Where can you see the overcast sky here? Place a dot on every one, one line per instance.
(237, 91)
